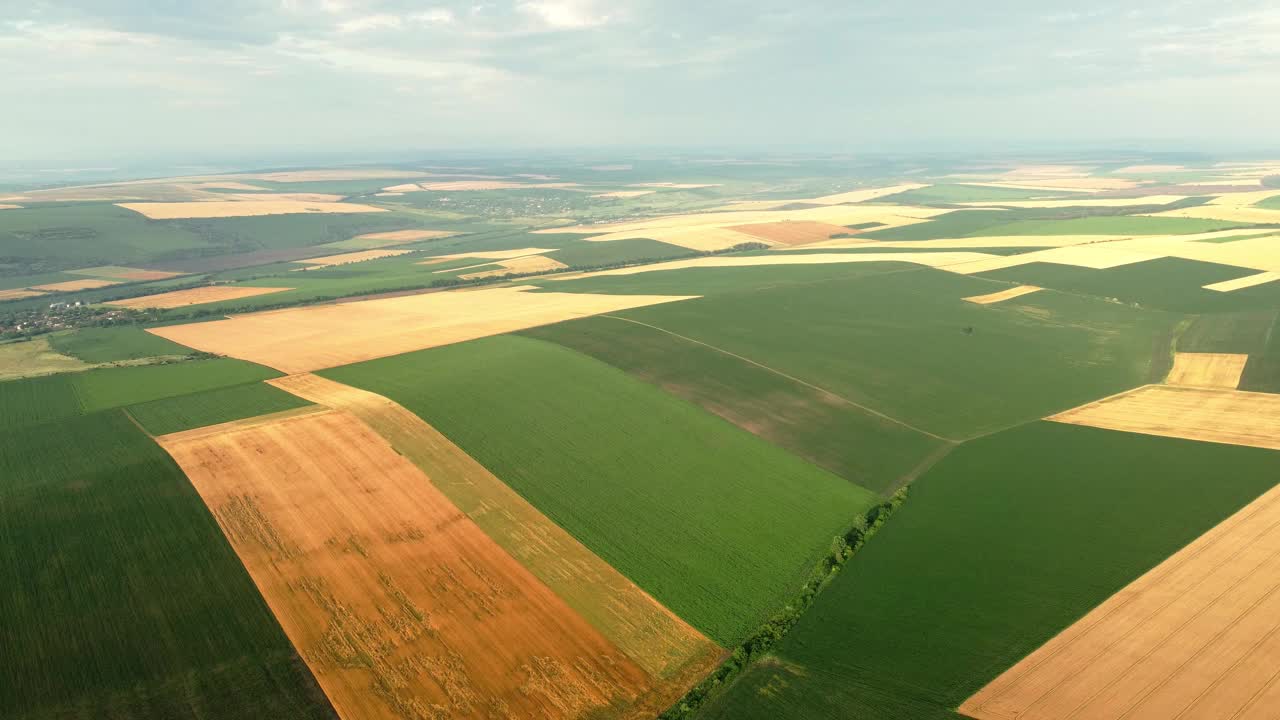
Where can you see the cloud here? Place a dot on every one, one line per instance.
(564, 14)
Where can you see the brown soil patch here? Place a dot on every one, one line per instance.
(351, 257)
(18, 294)
(1247, 281)
(73, 285)
(310, 338)
(526, 264)
(800, 232)
(398, 602)
(1196, 638)
(648, 633)
(1219, 370)
(115, 272)
(1003, 295)
(196, 296)
(241, 208)
(1233, 417)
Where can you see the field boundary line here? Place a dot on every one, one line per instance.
(792, 378)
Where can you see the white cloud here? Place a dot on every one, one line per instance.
(564, 14)
(380, 21)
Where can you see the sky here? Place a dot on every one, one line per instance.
(84, 81)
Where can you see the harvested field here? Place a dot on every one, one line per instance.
(1201, 369)
(526, 264)
(469, 185)
(351, 257)
(395, 237)
(676, 186)
(1247, 281)
(649, 634)
(792, 233)
(18, 294)
(938, 259)
(1147, 169)
(195, 296)
(1233, 417)
(1092, 184)
(886, 215)
(6, 206)
(322, 336)
(73, 285)
(1095, 202)
(1196, 638)
(115, 272)
(1003, 295)
(35, 357)
(993, 241)
(624, 194)
(1097, 257)
(242, 208)
(400, 604)
(706, 239)
(487, 255)
(857, 196)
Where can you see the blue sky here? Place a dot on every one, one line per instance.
(100, 79)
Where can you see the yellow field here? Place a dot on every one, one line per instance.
(486, 255)
(400, 604)
(1098, 257)
(196, 296)
(351, 257)
(648, 633)
(7, 206)
(73, 285)
(938, 259)
(115, 272)
(1095, 202)
(1059, 184)
(995, 297)
(1247, 281)
(793, 232)
(624, 194)
(241, 208)
(1220, 370)
(526, 264)
(997, 241)
(1146, 169)
(18, 294)
(1196, 638)
(1232, 417)
(322, 336)
(35, 357)
(1236, 207)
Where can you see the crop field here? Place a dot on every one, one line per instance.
(590, 254)
(906, 352)
(330, 335)
(980, 567)
(673, 653)
(212, 407)
(120, 596)
(1042, 221)
(71, 236)
(115, 387)
(396, 599)
(826, 430)
(1195, 413)
(1195, 638)
(617, 478)
(37, 400)
(114, 344)
(33, 358)
(196, 296)
(1221, 370)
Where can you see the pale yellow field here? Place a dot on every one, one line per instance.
(1027, 241)
(1219, 370)
(276, 197)
(35, 357)
(1144, 169)
(1233, 417)
(402, 189)
(938, 260)
(1098, 256)
(1003, 295)
(1062, 184)
(487, 255)
(388, 194)
(1094, 202)
(115, 272)
(468, 185)
(322, 336)
(227, 186)
(649, 634)
(1236, 207)
(7, 206)
(857, 196)
(351, 257)
(401, 606)
(1247, 281)
(73, 285)
(1195, 638)
(675, 186)
(801, 233)
(526, 264)
(196, 296)
(241, 208)
(18, 294)
(624, 194)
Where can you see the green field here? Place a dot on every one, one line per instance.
(1171, 284)
(184, 412)
(34, 400)
(113, 344)
(1049, 221)
(906, 345)
(60, 237)
(1239, 332)
(1004, 543)
(715, 523)
(1262, 372)
(720, 280)
(1271, 203)
(1114, 225)
(591, 254)
(120, 596)
(958, 193)
(830, 433)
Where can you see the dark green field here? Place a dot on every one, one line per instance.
(1004, 543)
(589, 254)
(184, 412)
(720, 280)
(958, 193)
(906, 345)
(1049, 221)
(817, 426)
(58, 237)
(34, 400)
(1239, 332)
(1262, 372)
(120, 597)
(113, 344)
(1170, 284)
(715, 523)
